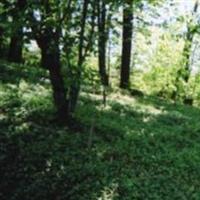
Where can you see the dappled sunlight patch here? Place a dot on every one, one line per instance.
(124, 105)
(151, 109)
(22, 128)
(148, 109)
(104, 108)
(34, 95)
(179, 115)
(24, 100)
(9, 97)
(26, 88)
(134, 104)
(138, 132)
(93, 96)
(109, 192)
(122, 99)
(172, 119)
(146, 119)
(2, 115)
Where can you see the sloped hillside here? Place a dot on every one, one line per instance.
(134, 148)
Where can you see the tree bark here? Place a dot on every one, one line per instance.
(16, 41)
(2, 53)
(50, 59)
(102, 39)
(16, 47)
(126, 43)
(59, 91)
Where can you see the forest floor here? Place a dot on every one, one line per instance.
(134, 148)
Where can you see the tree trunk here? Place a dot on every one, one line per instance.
(188, 44)
(102, 42)
(59, 92)
(50, 59)
(16, 41)
(2, 53)
(52, 62)
(48, 40)
(16, 47)
(184, 73)
(126, 44)
(187, 50)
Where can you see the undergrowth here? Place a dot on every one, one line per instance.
(143, 148)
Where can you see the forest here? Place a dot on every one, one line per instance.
(99, 99)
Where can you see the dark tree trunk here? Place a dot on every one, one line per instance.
(52, 62)
(186, 54)
(50, 59)
(59, 91)
(48, 40)
(102, 42)
(16, 47)
(127, 44)
(16, 41)
(2, 53)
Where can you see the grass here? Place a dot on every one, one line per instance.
(134, 148)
